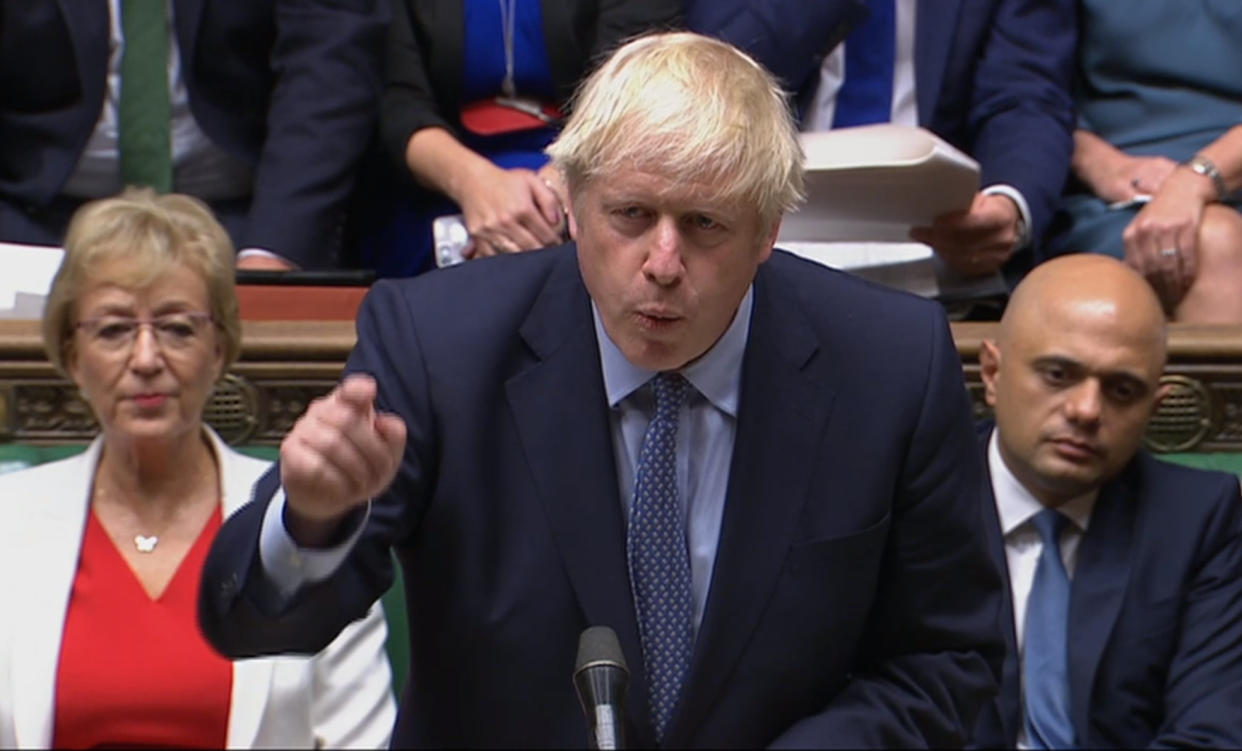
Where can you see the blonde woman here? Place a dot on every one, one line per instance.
(101, 554)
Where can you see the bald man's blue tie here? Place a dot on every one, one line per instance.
(1045, 668)
(658, 557)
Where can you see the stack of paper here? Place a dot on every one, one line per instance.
(866, 188)
(28, 273)
(873, 183)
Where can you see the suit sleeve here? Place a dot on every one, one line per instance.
(409, 101)
(619, 20)
(934, 652)
(353, 704)
(321, 115)
(1021, 112)
(240, 612)
(789, 37)
(1203, 689)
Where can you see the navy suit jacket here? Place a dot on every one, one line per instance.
(992, 77)
(853, 600)
(290, 88)
(1155, 634)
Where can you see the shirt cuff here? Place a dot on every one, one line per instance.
(1024, 226)
(263, 253)
(289, 566)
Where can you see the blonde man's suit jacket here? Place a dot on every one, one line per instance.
(341, 697)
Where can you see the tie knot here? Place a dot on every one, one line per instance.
(1050, 523)
(670, 391)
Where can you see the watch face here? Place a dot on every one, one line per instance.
(1204, 166)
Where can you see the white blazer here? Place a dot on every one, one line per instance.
(341, 697)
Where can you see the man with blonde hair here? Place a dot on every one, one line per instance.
(757, 471)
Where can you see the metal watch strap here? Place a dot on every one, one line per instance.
(1204, 166)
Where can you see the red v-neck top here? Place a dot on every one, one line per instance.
(135, 671)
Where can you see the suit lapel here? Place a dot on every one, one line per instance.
(252, 681)
(934, 23)
(1008, 704)
(251, 678)
(561, 413)
(562, 57)
(51, 547)
(186, 14)
(1100, 580)
(90, 28)
(769, 481)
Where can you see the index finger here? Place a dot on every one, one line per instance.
(357, 390)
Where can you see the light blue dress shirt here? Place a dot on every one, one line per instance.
(706, 430)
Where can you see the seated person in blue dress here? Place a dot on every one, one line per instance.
(1158, 152)
(476, 89)
(1124, 611)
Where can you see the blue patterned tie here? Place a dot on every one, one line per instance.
(1045, 669)
(658, 558)
(866, 94)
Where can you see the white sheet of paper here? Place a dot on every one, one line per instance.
(866, 187)
(26, 269)
(873, 183)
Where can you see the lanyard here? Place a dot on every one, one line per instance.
(508, 21)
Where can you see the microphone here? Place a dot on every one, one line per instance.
(600, 678)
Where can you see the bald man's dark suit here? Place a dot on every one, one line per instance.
(1155, 633)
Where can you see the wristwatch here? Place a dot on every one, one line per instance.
(1204, 166)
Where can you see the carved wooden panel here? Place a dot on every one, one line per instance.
(287, 364)
(1203, 411)
(283, 367)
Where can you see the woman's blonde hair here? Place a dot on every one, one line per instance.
(694, 109)
(135, 238)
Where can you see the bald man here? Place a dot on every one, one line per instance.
(1124, 622)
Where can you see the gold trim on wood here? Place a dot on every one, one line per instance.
(284, 365)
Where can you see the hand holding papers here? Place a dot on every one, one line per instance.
(873, 183)
(866, 188)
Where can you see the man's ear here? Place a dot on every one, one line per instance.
(769, 241)
(989, 369)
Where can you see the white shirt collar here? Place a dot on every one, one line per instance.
(716, 374)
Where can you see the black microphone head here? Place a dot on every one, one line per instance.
(601, 678)
(598, 645)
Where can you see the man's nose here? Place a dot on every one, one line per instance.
(664, 257)
(1085, 402)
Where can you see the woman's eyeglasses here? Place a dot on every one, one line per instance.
(173, 331)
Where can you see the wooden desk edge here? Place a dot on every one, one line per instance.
(285, 364)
